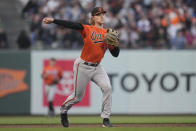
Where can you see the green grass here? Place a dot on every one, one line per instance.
(103, 129)
(96, 119)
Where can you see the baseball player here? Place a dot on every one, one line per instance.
(51, 75)
(87, 68)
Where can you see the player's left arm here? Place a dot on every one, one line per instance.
(114, 50)
(112, 40)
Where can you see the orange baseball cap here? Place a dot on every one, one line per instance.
(97, 10)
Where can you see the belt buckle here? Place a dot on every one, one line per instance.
(86, 63)
(91, 64)
(94, 65)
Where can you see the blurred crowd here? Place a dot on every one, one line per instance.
(154, 24)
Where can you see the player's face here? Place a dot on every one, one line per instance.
(100, 18)
(52, 62)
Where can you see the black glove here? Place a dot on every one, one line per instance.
(55, 82)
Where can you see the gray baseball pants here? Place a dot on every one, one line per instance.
(82, 75)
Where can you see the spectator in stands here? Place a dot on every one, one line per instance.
(162, 39)
(3, 39)
(193, 29)
(31, 6)
(190, 39)
(179, 41)
(36, 31)
(23, 40)
(152, 37)
(124, 37)
(144, 27)
(134, 36)
(161, 18)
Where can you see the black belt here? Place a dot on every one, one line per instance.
(91, 64)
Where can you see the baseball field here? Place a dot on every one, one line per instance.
(93, 123)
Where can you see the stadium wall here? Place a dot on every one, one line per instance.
(144, 82)
(15, 82)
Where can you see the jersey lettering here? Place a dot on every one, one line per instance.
(96, 38)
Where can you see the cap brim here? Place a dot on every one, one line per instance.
(101, 12)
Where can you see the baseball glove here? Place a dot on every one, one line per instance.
(55, 82)
(112, 37)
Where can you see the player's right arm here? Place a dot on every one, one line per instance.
(64, 23)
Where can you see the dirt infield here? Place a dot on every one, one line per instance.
(99, 125)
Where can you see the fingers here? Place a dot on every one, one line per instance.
(44, 21)
(47, 20)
